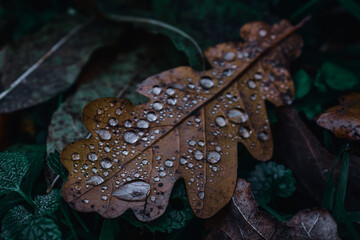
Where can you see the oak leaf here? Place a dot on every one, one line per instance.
(243, 220)
(344, 119)
(189, 129)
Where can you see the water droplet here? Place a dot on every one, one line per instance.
(201, 195)
(237, 116)
(134, 191)
(113, 122)
(213, 157)
(244, 132)
(201, 143)
(229, 56)
(251, 84)
(172, 101)
(262, 33)
(168, 163)
(156, 90)
(253, 97)
(128, 124)
(258, 76)
(99, 111)
(220, 121)
(118, 111)
(92, 156)
(183, 161)
(170, 91)
(86, 201)
(104, 197)
(131, 137)
(106, 163)
(263, 136)
(198, 155)
(206, 82)
(162, 174)
(156, 179)
(103, 134)
(157, 106)
(151, 116)
(75, 156)
(95, 180)
(142, 124)
(192, 143)
(191, 86)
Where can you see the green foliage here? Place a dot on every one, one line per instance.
(177, 214)
(334, 197)
(13, 167)
(47, 204)
(53, 161)
(40, 228)
(19, 223)
(271, 179)
(335, 77)
(302, 83)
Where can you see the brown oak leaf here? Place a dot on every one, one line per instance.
(188, 130)
(344, 119)
(243, 220)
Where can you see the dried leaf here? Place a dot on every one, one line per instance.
(343, 120)
(243, 220)
(310, 162)
(188, 129)
(26, 79)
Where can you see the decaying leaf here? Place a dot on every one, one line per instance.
(189, 129)
(243, 220)
(310, 162)
(37, 67)
(343, 120)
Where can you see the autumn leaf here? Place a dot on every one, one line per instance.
(189, 129)
(243, 220)
(343, 120)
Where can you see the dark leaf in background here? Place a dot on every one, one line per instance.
(343, 120)
(53, 161)
(243, 220)
(31, 75)
(300, 150)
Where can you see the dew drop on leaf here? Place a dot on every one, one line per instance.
(131, 137)
(220, 121)
(237, 116)
(206, 82)
(213, 157)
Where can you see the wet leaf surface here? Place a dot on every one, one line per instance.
(74, 40)
(120, 78)
(188, 129)
(243, 220)
(344, 119)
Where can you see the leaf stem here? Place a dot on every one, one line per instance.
(26, 197)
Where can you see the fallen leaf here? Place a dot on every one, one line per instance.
(119, 79)
(300, 150)
(188, 129)
(26, 79)
(343, 120)
(243, 220)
